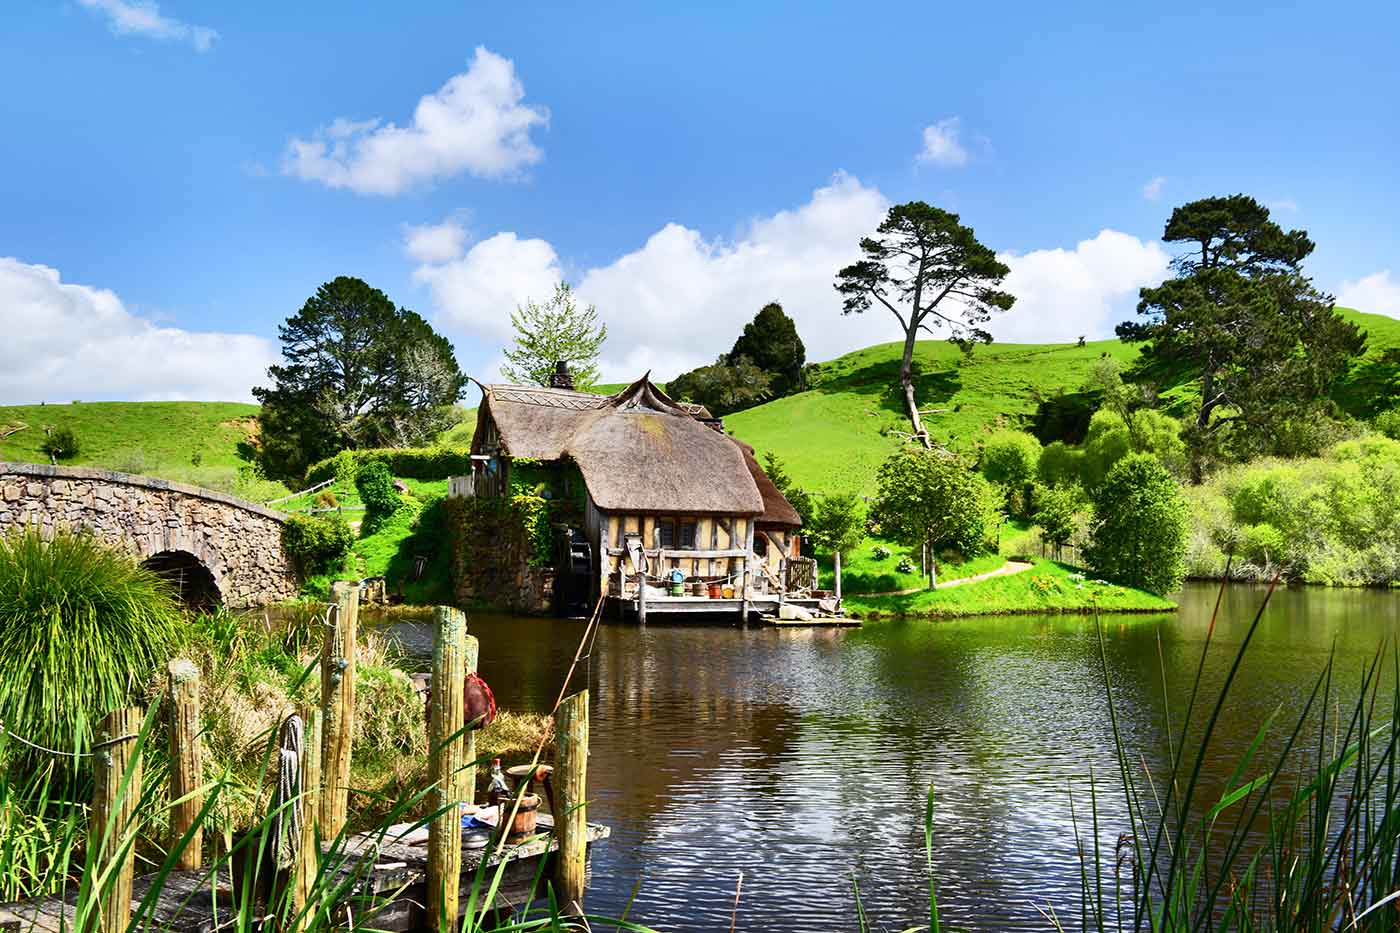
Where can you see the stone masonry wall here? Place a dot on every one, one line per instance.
(239, 542)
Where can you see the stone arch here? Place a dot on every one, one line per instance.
(191, 577)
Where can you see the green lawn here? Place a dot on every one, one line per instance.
(864, 572)
(1048, 587)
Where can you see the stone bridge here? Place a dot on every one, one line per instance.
(213, 546)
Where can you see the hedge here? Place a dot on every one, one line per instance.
(409, 462)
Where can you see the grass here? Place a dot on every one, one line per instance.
(1047, 587)
(864, 572)
(81, 625)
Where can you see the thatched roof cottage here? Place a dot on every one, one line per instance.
(660, 485)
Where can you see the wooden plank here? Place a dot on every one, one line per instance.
(304, 874)
(665, 553)
(571, 771)
(186, 764)
(338, 704)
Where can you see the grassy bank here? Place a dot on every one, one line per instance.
(1047, 587)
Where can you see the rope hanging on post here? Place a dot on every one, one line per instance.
(287, 802)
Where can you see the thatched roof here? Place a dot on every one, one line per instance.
(638, 450)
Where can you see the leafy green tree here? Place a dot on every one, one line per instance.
(357, 372)
(1388, 423)
(1011, 459)
(1243, 323)
(1140, 525)
(729, 385)
(1060, 464)
(837, 527)
(1057, 515)
(930, 497)
(558, 331)
(60, 444)
(771, 342)
(800, 499)
(929, 271)
(375, 484)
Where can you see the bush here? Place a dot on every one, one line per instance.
(1262, 544)
(60, 444)
(1057, 515)
(326, 499)
(82, 627)
(1388, 423)
(1011, 458)
(1141, 519)
(376, 488)
(880, 552)
(1060, 464)
(317, 544)
(429, 463)
(905, 565)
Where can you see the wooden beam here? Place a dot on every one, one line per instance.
(308, 852)
(338, 704)
(571, 822)
(445, 765)
(116, 791)
(186, 764)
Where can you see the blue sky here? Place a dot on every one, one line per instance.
(176, 179)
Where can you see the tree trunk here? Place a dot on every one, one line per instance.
(906, 383)
(1202, 422)
(837, 556)
(932, 566)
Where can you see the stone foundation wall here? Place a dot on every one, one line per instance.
(490, 560)
(239, 542)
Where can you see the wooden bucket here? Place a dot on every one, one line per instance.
(526, 818)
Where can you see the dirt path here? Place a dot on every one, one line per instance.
(1006, 569)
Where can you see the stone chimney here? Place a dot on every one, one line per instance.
(562, 378)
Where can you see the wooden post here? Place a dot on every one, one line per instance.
(838, 576)
(447, 748)
(186, 763)
(744, 581)
(641, 597)
(113, 808)
(338, 704)
(309, 851)
(571, 820)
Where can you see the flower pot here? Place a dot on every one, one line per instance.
(716, 591)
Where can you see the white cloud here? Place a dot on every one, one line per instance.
(435, 243)
(1284, 204)
(66, 341)
(143, 18)
(1152, 191)
(680, 299)
(1374, 294)
(476, 291)
(474, 123)
(941, 144)
(1062, 294)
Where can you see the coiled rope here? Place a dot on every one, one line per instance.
(287, 802)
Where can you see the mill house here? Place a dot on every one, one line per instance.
(665, 512)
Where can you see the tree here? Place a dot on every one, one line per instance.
(558, 331)
(837, 526)
(1243, 323)
(771, 342)
(357, 372)
(1011, 459)
(800, 499)
(928, 270)
(930, 497)
(1057, 515)
(1140, 525)
(728, 385)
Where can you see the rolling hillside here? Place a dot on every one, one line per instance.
(831, 437)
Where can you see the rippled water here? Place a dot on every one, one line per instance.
(801, 758)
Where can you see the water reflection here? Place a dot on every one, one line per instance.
(801, 758)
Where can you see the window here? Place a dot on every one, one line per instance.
(665, 533)
(688, 534)
(760, 544)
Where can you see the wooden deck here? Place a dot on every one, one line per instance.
(387, 892)
(701, 606)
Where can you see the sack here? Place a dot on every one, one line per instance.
(478, 703)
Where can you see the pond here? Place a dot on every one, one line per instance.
(801, 758)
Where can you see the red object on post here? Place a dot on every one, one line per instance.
(478, 703)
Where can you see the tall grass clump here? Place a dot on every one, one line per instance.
(82, 628)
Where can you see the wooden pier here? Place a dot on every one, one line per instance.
(388, 872)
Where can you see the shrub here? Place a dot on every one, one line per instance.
(1262, 544)
(1141, 518)
(1011, 458)
(317, 544)
(1060, 464)
(376, 488)
(326, 499)
(1388, 423)
(880, 552)
(427, 463)
(82, 627)
(1057, 515)
(60, 444)
(905, 565)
